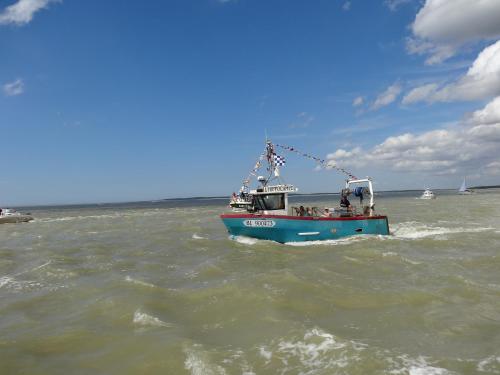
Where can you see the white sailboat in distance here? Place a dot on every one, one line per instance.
(463, 189)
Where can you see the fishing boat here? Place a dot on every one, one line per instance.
(9, 215)
(270, 216)
(428, 194)
(463, 189)
(240, 202)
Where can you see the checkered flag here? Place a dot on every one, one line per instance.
(279, 160)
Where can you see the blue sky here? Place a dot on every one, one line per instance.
(109, 102)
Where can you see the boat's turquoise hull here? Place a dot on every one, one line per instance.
(296, 229)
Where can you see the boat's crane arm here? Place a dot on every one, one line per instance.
(370, 188)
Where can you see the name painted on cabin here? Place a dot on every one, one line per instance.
(259, 223)
(279, 189)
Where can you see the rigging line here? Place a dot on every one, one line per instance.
(318, 160)
(254, 170)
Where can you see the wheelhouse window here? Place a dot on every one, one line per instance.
(270, 202)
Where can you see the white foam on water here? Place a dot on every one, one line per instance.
(414, 230)
(245, 240)
(390, 254)
(144, 319)
(191, 274)
(86, 217)
(265, 353)
(340, 241)
(396, 255)
(405, 364)
(41, 266)
(12, 284)
(138, 282)
(317, 350)
(198, 363)
(490, 365)
(197, 237)
(66, 218)
(5, 280)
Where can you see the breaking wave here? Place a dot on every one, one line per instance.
(315, 352)
(138, 282)
(197, 237)
(144, 319)
(246, 240)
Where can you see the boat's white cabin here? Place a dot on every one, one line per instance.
(272, 199)
(9, 212)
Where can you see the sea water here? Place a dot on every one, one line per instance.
(160, 288)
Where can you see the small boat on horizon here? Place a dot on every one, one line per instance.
(9, 215)
(428, 194)
(463, 189)
(267, 214)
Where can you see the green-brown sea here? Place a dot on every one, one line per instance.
(160, 288)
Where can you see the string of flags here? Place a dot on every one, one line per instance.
(274, 160)
(253, 173)
(318, 160)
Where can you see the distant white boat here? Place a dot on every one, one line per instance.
(428, 194)
(240, 202)
(463, 189)
(9, 215)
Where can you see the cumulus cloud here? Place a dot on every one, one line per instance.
(489, 114)
(22, 12)
(14, 88)
(470, 145)
(387, 97)
(442, 26)
(481, 81)
(358, 101)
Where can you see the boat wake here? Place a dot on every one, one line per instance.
(410, 230)
(247, 240)
(413, 230)
(338, 242)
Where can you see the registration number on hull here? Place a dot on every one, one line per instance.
(259, 223)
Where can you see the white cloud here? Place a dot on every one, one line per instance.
(358, 101)
(470, 146)
(14, 88)
(303, 120)
(489, 114)
(394, 4)
(492, 168)
(346, 6)
(420, 93)
(22, 12)
(387, 97)
(481, 81)
(442, 26)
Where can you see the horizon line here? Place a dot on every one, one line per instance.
(219, 197)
